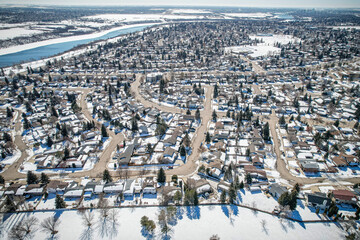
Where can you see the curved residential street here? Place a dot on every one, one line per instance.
(12, 171)
(187, 169)
(190, 165)
(105, 156)
(136, 93)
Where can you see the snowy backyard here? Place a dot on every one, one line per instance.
(230, 222)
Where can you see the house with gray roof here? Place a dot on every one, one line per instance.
(277, 190)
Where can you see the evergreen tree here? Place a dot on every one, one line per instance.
(161, 177)
(232, 194)
(196, 199)
(31, 178)
(182, 151)
(26, 123)
(103, 131)
(66, 153)
(54, 112)
(106, 176)
(215, 91)
(282, 120)
(49, 141)
(241, 186)
(7, 137)
(64, 131)
(214, 116)
(197, 115)
(237, 182)
(59, 202)
(2, 180)
(223, 196)
(207, 138)
(134, 125)
(9, 113)
(284, 199)
(266, 132)
(177, 197)
(248, 178)
(44, 179)
(110, 101)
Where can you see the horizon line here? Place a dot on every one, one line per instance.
(357, 8)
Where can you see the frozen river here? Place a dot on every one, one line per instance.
(56, 48)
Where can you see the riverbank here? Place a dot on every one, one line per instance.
(23, 59)
(19, 48)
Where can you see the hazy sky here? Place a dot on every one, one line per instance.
(240, 3)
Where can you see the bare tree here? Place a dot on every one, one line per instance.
(24, 229)
(16, 232)
(88, 218)
(50, 225)
(104, 206)
(28, 225)
(113, 216)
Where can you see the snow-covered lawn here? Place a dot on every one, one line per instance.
(11, 159)
(48, 203)
(257, 199)
(228, 222)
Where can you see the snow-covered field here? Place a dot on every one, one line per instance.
(248, 15)
(140, 17)
(271, 40)
(263, 49)
(189, 11)
(17, 32)
(228, 222)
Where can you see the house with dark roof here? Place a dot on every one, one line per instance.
(317, 200)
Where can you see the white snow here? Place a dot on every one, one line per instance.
(17, 32)
(263, 49)
(199, 223)
(248, 15)
(271, 40)
(189, 11)
(140, 17)
(11, 159)
(28, 166)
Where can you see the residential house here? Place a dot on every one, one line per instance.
(277, 190)
(344, 196)
(317, 200)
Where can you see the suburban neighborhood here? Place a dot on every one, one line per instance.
(252, 113)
